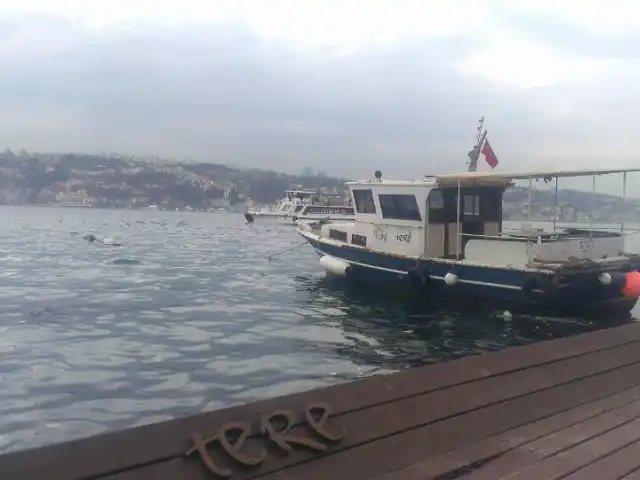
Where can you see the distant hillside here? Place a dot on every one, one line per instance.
(119, 182)
(110, 181)
(573, 206)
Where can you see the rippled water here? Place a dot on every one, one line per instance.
(190, 315)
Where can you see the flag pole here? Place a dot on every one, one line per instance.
(555, 205)
(474, 154)
(624, 197)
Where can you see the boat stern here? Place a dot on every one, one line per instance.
(608, 285)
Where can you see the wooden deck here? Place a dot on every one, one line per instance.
(565, 409)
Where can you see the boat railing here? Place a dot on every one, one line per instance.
(511, 237)
(532, 236)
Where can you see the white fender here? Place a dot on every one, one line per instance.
(334, 265)
(450, 279)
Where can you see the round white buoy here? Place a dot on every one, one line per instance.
(450, 279)
(605, 278)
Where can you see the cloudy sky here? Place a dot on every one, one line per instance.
(346, 85)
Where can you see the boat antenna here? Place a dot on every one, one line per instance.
(474, 153)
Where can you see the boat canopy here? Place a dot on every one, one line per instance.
(479, 178)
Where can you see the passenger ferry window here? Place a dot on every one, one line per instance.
(364, 201)
(399, 207)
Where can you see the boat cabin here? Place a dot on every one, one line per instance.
(479, 213)
(423, 217)
(292, 202)
(299, 194)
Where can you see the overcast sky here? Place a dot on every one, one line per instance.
(345, 86)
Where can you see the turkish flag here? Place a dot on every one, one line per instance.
(489, 155)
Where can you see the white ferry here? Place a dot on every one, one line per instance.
(306, 205)
(72, 199)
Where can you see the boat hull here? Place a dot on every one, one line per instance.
(518, 290)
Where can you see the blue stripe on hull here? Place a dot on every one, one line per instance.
(365, 257)
(583, 295)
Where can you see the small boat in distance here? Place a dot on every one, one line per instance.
(71, 199)
(306, 205)
(442, 235)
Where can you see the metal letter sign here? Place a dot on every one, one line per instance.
(315, 418)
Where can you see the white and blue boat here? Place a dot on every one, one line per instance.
(305, 205)
(443, 235)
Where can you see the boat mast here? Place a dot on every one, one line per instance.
(474, 153)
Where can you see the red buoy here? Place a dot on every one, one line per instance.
(632, 284)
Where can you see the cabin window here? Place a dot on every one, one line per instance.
(436, 200)
(364, 201)
(492, 206)
(360, 240)
(399, 207)
(471, 205)
(338, 235)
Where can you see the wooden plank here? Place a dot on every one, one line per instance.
(113, 452)
(635, 475)
(556, 442)
(394, 452)
(475, 453)
(617, 465)
(570, 461)
(407, 415)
